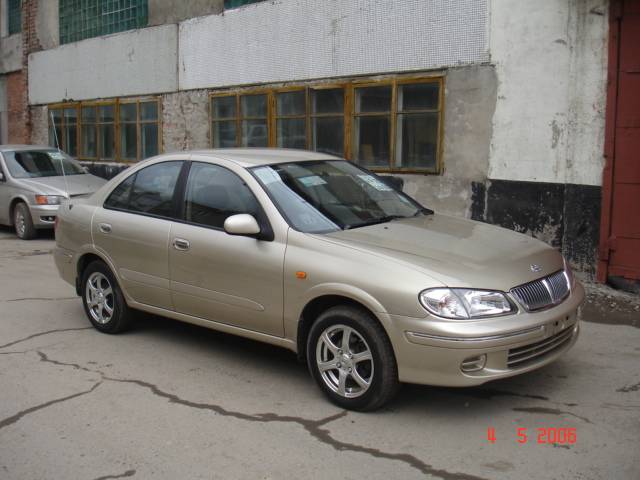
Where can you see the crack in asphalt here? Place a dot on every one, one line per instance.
(128, 473)
(14, 418)
(313, 427)
(41, 299)
(15, 342)
(549, 411)
(629, 388)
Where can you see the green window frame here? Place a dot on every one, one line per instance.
(80, 19)
(228, 4)
(14, 16)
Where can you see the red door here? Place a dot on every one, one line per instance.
(620, 225)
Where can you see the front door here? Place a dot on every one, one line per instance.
(133, 230)
(229, 279)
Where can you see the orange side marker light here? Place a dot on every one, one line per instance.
(301, 275)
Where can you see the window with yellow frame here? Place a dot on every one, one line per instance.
(126, 130)
(390, 124)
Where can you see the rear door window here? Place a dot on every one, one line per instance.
(149, 191)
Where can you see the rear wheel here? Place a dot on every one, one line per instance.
(351, 359)
(23, 222)
(103, 301)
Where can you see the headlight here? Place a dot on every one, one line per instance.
(48, 199)
(462, 303)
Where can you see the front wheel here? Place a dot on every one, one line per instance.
(23, 222)
(103, 301)
(351, 359)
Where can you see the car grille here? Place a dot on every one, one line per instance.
(544, 292)
(520, 356)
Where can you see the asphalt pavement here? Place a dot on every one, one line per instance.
(174, 401)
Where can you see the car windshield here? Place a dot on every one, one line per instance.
(328, 195)
(41, 163)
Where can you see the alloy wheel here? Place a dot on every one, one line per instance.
(99, 297)
(345, 361)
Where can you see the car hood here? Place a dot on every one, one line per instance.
(456, 251)
(74, 184)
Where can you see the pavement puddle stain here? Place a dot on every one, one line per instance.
(549, 411)
(40, 334)
(128, 473)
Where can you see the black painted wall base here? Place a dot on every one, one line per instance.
(565, 215)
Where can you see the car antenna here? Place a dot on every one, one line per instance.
(55, 137)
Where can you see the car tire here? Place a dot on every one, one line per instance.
(103, 301)
(360, 374)
(23, 223)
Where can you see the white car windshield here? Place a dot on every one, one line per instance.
(41, 163)
(328, 195)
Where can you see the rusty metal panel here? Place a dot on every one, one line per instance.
(620, 225)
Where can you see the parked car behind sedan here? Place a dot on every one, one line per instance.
(32, 185)
(315, 254)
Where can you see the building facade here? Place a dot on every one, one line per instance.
(490, 109)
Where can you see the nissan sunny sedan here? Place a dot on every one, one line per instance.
(33, 181)
(315, 254)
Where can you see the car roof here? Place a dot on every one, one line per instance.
(19, 148)
(251, 157)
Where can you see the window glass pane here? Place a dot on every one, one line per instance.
(373, 99)
(292, 133)
(372, 140)
(70, 115)
(417, 140)
(107, 141)
(79, 19)
(223, 107)
(327, 101)
(253, 105)
(148, 140)
(224, 134)
(153, 189)
(128, 141)
(291, 103)
(328, 135)
(128, 112)
(70, 144)
(14, 14)
(106, 113)
(149, 111)
(254, 133)
(88, 114)
(421, 96)
(119, 197)
(89, 141)
(214, 193)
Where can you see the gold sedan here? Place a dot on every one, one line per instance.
(315, 254)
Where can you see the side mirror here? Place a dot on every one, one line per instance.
(393, 181)
(241, 224)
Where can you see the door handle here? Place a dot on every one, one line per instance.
(181, 244)
(104, 227)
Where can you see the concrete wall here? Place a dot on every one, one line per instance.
(137, 62)
(11, 53)
(185, 120)
(47, 24)
(549, 119)
(174, 11)
(305, 39)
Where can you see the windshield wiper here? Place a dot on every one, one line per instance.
(374, 221)
(424, 211)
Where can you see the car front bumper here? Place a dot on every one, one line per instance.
(44, 216)
(432, 351)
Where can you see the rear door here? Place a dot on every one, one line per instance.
(133, 228)
(229, 279)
